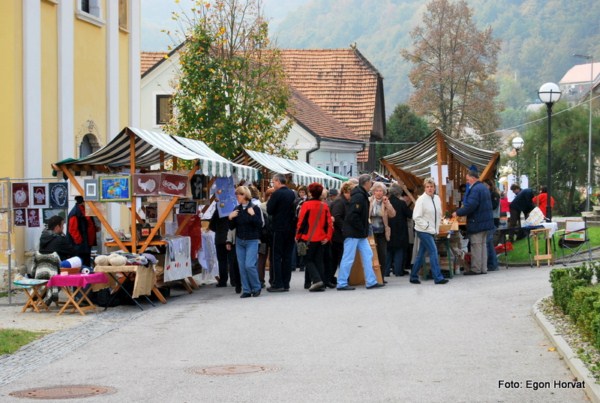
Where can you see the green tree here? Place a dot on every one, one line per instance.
(454, 64)
(403, 128)
(569, 153)
(231, 92)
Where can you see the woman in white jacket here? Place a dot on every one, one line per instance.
(427, 216)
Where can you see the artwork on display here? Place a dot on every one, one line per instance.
(20, 217)
(39, 195)
(58, 195)
(197, 184)
(90, 188)
(188, 207)
(151, 213)
(33, 217)
(20, 195)
(224, 191)
(146, 184)
(47, 213)
(115, 188)
(173, 185)
(178, 262)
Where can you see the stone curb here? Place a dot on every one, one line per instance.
(577, 367)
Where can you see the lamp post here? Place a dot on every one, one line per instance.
(518, 144)
(549, 93)
(589, 172)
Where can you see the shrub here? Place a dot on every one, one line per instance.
(564, 282)
(583, 308)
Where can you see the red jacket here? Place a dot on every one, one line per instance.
(541, 201)
(307, 220)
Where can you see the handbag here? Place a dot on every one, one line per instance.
(302, 246)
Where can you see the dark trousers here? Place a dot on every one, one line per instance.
(337, 251)
(234, 269)
(222, 261)
(330, 266)
(262, 262)
(395, 259)
(283, 242)
(381, 246)
(314, 262)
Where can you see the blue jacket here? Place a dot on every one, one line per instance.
(478, 209)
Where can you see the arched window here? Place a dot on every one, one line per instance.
(88, 145)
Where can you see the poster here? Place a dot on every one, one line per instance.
(178, 261)
(90, 188)
(197, 184)
(173, 185)
(47, 213)
(58, 195)
(20, 195)
(115, 188)
(20, 217)
(146, 184)
(33, 218)
(39, 195)
(224, 191)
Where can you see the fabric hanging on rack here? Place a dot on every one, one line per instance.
(178, 262)
(208, 255)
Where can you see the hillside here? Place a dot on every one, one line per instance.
(538, 37)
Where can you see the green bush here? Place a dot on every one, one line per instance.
(564, 282)
(583, 308)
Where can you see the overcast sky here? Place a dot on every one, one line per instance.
(156, 16)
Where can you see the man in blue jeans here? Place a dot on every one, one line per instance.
(356, 232)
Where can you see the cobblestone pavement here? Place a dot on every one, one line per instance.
(58, 344)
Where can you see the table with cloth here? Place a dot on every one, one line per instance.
(144, 282)
(79, 282)
(31, 288)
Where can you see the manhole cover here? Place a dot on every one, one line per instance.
(63, 392)
(232, 369)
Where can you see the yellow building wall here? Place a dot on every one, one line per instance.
(11, 88)
(123, 80)
(90, 80)
(49, 29)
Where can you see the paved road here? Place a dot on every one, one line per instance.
(403, 343)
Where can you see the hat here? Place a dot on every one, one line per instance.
(473, 173)
(333, 192)
(78, 199)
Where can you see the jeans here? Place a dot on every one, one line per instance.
(351, 245)
(283, 243)
(492, 258)
(427, 245)
(247, 255)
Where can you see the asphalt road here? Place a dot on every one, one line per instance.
(472, 340)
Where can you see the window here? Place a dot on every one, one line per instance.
(91, 7)
(123, 23)
(90, 11)
(88, 145)
(164, 109)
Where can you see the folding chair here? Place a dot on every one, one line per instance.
(574, 239)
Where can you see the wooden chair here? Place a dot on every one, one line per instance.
(574, 239)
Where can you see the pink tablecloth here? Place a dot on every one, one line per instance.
(77, 280)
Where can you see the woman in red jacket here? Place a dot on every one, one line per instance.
(316, 228)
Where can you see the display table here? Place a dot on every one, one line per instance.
(543, 233)
(31, 288)
(78, 282)
(144, 282)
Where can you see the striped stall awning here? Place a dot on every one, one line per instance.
(150, 147)
(302, 172)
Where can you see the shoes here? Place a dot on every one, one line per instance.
(286, 289)
(330, 285)
(413, 281)
(262, 285)
(495, 269)
(238, 290)
(256, 293)
(346, 288)
(384, 282)
(221, 285)
(307, 286)
(319, 286)
(376, 285)
(274, 289)
(245, 295)
(443, 281)
(470, 273)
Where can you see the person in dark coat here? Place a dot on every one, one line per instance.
(220, 226)
(81, 231)
(281, 209)
(398, 243)
(480, 220)
(338, 212)
(54, 240)
(356, 231)
(522, 203)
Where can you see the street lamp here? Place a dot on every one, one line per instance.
(589, 173)
(518, 144)
(549, 93)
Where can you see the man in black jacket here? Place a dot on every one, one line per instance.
(54, 240)
(356, 232)
(281, 209)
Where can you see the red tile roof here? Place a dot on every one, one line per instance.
(340, 81)
(581, 73)
(316, 120)
(149, 59)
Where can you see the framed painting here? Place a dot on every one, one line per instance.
(51, 212)
(33, 218)
(188, 207)
(115, 188)
(90, 188)
(58, 195)
(20, 217)
(20, 195)
(173, 184)
(152, 212)
(38, 193)
(197, 184)
(146, 184)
